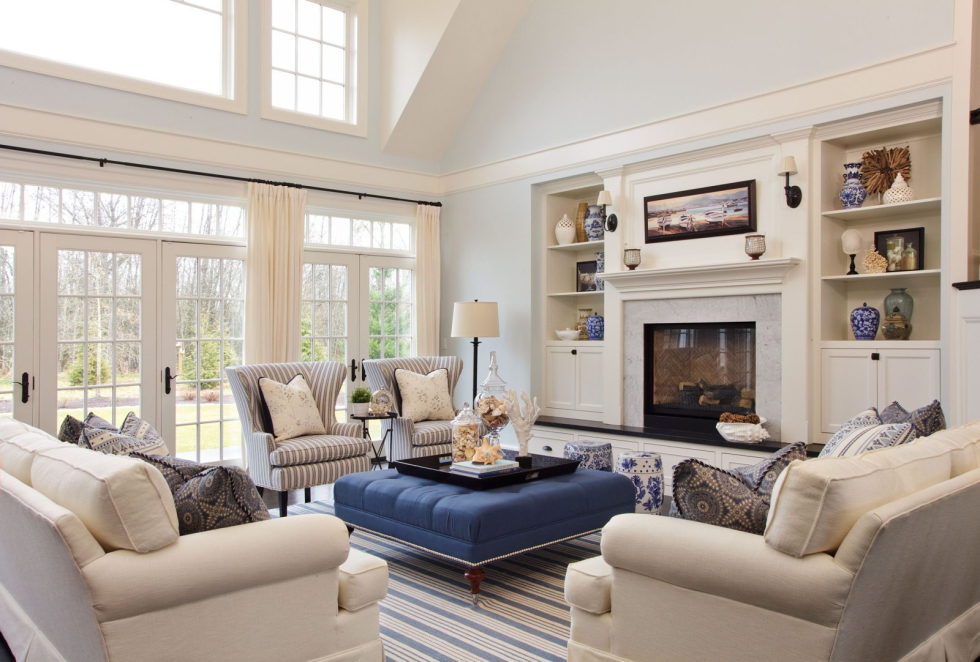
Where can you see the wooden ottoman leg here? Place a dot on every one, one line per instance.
(474, 576)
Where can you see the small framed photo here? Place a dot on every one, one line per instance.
(585, 276)
(904, 249)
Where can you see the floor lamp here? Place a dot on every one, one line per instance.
(475, 319)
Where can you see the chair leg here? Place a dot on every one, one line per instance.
(307, 493)
(283, 497)
(261, 490)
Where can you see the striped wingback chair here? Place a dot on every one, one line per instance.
(410, 439)
(305, 461)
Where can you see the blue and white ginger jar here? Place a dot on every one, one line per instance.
(864, 322)
(595, 326)
(600, 267)
(593, 223)
(646, 470)
(853, 193)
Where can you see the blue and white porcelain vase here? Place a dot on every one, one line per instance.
(595, 326)
(646, 471)
(600, 267)
(853, 193)
(864, 322)
(593, 223)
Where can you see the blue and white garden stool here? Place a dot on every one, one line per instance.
(646, 470)
(590, 454)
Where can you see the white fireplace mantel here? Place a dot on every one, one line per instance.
(741, 274)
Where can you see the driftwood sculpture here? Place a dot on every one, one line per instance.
(523, 412)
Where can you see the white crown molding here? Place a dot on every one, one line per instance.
(31, 124)
(699, 156)
(783, 137)
(899, 116)
(903, 75)
(710, 277)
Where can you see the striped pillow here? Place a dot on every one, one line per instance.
(868, 438)
(866, 418)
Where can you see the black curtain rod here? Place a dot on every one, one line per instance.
(102, 163)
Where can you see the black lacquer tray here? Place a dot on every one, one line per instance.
(436, 467)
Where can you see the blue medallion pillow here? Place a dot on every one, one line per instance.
(736, 499)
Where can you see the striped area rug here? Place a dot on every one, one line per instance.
(427, 614)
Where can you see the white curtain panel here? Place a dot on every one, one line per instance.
(274, 270)
(427, 278)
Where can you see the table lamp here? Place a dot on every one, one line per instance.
(851, 244)
(475, 319)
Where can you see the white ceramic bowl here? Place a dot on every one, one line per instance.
(746, 433)
(567, 334)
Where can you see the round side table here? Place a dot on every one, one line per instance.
(379, 457)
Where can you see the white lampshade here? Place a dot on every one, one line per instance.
(605, 198)
(475, 319)
(851, 242)
(788, 166)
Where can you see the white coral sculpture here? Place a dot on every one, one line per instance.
(523, 412)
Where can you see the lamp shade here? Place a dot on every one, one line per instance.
(788, 166)
(851, 242)
(475, 319)
(605, 198)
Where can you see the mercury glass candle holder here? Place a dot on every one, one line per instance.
(631, 258)
(755, 245)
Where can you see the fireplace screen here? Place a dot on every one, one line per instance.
(699, 370)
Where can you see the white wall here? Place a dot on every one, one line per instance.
(580, 68)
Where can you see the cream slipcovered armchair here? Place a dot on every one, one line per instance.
(92, 568)
(866, 558)
(301, 462)
(410, 439)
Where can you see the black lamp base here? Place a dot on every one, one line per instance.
(853, 271)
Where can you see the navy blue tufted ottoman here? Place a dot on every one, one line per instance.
(476, 527)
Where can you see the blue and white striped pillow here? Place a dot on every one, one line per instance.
(860, 439)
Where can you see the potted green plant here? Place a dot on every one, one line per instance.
(360, 399)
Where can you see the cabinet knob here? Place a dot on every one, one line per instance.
(574, 352)
(875, 356)
(546, 449)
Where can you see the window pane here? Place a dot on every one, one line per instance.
(283, 50)
(284, 14)
(333, 101)
(400, 234)
(334, 26)
(41, 202)
(307, 95)
(78, 207)
(317, 229)
(113, 210)
(334, 64)
(6, 270)
(308, 20)
(9, 201)
(340, 231)
(283, 90)
(362, 233)
(308, 58)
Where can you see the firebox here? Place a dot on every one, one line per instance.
(698, 370)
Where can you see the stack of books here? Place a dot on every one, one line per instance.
(484, 470)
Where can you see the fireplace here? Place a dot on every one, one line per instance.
(698, 371)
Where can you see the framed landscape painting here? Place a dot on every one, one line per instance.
(710, 211)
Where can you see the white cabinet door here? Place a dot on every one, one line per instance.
(560, 371)
(848, 385)
(588, 379)
(910, 376)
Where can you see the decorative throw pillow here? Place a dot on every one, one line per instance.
(762, 476)
(425, 397)
(113, 443)
(926, 420)
(861, 439)
(208, 497)
(134, 426)
(71, 428)
(715, 496)
(866, 418)
(291, 407)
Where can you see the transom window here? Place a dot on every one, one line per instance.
(345, 230)
(71, 206)
(182, 44)
(311, 44)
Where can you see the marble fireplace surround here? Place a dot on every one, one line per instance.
(763, 309)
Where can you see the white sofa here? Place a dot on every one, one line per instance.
(865, 559)
(92, 568)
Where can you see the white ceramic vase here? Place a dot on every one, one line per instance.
(900, 191)
(565, 230)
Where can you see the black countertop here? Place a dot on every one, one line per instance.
(967, 285)
(711, 438)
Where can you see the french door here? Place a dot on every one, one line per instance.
(17, 379)
(98, 328)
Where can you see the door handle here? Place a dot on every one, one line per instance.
(353, 369)
(363, 372)
(168, 380)
(25, 387)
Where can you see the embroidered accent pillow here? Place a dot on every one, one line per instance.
(926, 420)
(425, 397)
(762, 476)
(71, 428)
(866, 418)
(707, 494)
(208, 497)
(291, 407)
(134, 426)
(114, 443)
(868, 438)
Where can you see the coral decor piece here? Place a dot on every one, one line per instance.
(524, 412)
(874, 262)
(880, 166)
(485, 453)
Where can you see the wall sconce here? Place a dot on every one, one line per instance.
(794, 196)
(609, 222)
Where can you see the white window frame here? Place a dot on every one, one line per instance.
(357, 36)
(372, 216)
(235, 53)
